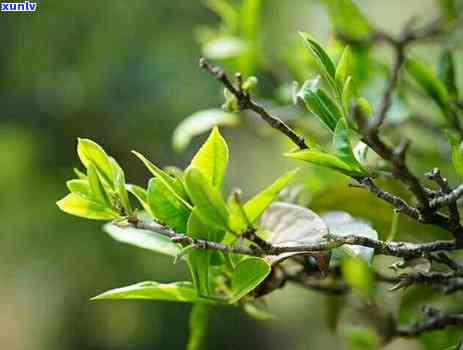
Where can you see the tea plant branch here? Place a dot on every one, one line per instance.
(434, 320)
(245, 101)
(398, 249)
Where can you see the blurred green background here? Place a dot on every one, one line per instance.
(124, 73)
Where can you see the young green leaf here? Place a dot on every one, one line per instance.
(358, 276)
(365, 107)
(248, 274)
(165, 207)
(319, 103)
(256, 206)
(178, 291)
(80, 187)
(347, 93)
(98, 192)
(142, 239)
(429, 82)
(199, 123)
(91, 153)
(141, 195)
(121, 191)
(342, 145)
(172, 183)
(76, 205)
(238, 218)
(325, 160)
(342, 69)
(457, 152)
(348, 19)
(212, 158)
(322, 58)
(211, 207)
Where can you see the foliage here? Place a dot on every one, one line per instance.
(240, 251)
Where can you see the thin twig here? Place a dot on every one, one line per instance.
(245, 101)
(435, 320)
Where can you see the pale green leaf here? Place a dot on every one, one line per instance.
(199, 123)
(80, 187)
(79, 206)
(342, 69)
(142, 239)
(98, 192)
(212, 158)
(256, 206)
(249, 274)
(91, 153)
(178, 291)
(224, 47)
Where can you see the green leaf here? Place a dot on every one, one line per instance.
(457, 152)
(358, 276)
(76, 205)
(172, 183)
(178, 291)
(325, 160)
(199, 325)
(238, 218)
(256, 206)
(165, 207)
(347, 93)
(224, 47)
(342, 69)
(447, 72)
(323, 59)
(80, 187)
(211, 207)
(429, 82)
(342, 145)
(348, 19)
(199, 123)
(91, 153)
(199, 260)
(142, 196)
(212, 158)
(142, 239)
(365, 107)
(249, 274)
(319, 103)
(98, 192)
(121, 189)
